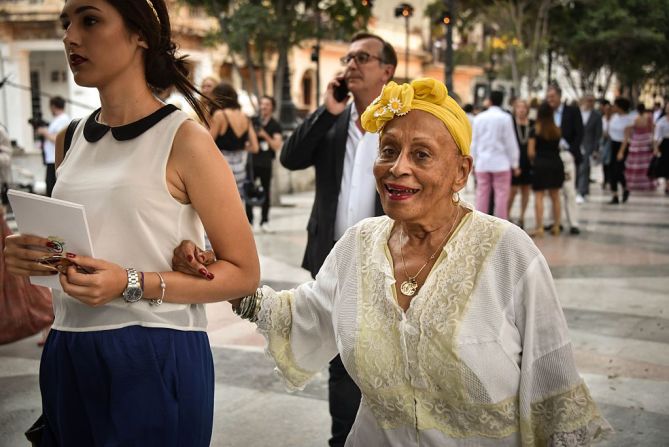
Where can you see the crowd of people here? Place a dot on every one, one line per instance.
(552, 146)
(430, 335)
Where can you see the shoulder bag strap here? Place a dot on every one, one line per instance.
(69, 133)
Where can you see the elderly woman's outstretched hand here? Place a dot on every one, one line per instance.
(190, 259)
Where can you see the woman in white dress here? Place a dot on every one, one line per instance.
(446, 318)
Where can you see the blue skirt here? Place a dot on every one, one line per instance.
(133, 386)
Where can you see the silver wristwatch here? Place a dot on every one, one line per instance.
(133, 291)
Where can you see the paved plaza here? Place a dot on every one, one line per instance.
(613, 281)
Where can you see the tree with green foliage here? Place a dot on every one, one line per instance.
(628, 38)
(280, 25)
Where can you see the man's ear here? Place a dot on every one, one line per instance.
(389, 72)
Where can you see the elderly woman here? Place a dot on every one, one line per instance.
(445, 317)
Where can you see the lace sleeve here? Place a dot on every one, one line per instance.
(556, 408)
(297, 326)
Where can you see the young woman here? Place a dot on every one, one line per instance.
(639, 145)
(232, 131)
(128, 360)
(543, 149)
(620, 121)
(523, 182)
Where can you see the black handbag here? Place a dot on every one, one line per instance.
(654, 167)
(36, 431)
(254, 193)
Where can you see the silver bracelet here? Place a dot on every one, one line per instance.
(163, 286)
(249, 307)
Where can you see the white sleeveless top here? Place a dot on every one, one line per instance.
(119, 175)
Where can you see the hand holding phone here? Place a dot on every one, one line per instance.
(340, 92)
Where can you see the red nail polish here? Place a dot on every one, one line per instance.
(70, 255)
(203, 272)
(190, 258)
(210, 276)
(50, 244)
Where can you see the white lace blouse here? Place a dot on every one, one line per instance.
(481, 357)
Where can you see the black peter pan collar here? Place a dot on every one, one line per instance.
(94, 131)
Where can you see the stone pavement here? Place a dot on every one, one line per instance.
(613, 281)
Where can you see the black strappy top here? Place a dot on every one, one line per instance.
(228, 141)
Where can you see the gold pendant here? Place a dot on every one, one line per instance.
(409, 287)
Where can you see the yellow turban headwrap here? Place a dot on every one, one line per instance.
(425, 94)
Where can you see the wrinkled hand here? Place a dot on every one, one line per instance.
(106, 283)
(22, 252)
(190, 259)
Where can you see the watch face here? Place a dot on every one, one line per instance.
(132, 294)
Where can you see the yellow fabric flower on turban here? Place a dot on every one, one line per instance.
(425, 94)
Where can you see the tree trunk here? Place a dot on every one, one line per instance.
(263, 67)
(252, 74)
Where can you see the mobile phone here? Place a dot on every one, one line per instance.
(340, 92)
(61, 262)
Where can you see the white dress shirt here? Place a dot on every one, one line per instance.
(494, 144)
(357, 194)
(59, 123)
(662, 129)
(618, 124)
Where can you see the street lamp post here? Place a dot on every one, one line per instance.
(405, 10)
(447, 20)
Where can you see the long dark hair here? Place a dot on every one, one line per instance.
(225, 97)
(163, 69)
(545, 126)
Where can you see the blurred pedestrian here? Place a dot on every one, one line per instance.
(59, 122)
(621, 120)
(639, 144)
(661, 147)
(592, 134)
(333, 141)
(232, 131)
(496, 156)
(207, 89)
(270, 141)
(523, 126)
(605, 143)
(568, 119)
(548, 171)
(128, 361)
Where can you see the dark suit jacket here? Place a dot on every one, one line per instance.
(320, 141)
(572, 131)
(592, 133)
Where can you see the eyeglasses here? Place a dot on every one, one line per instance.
(361, 58)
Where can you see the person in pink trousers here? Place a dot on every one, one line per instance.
(496, 156)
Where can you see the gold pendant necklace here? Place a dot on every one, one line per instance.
(410, 286)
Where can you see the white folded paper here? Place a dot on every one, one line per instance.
(52, 218)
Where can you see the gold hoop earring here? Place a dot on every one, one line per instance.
(456, 198)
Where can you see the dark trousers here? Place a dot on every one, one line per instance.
(617, 168)
(50, 178)
(583, 175)
(265, 176)
(344, 396)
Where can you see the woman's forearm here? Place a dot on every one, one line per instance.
(229, 282)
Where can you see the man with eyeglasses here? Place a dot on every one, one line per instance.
(332, 141)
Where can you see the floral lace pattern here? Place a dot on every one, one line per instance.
(396, 353)
(567, 419)
(274, 323)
